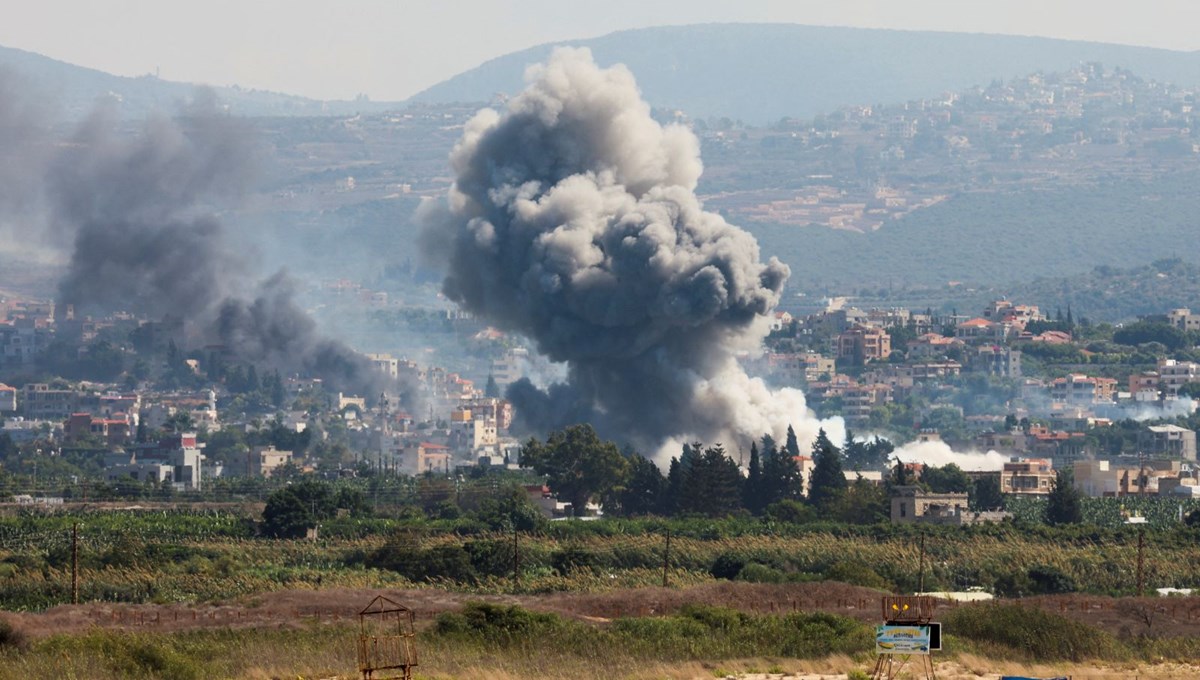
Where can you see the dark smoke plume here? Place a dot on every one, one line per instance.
(138, 209)
(573, 220)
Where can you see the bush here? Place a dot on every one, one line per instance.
(11, 636)
(727, 565)
(495, 621)
(859, 574)
(1033, 634)
(754, 572)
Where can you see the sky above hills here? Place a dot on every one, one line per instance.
(390, 50)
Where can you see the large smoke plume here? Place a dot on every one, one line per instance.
(573, 220)
(139, 209)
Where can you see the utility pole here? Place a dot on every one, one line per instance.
(516, 558)
(75, 563)
(921, 569)
(667, 561)
(1141, 573)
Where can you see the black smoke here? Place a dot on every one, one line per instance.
(573, 220)
(138, 209)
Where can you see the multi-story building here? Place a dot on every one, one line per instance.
(1183, 319)
(1027, 477)
(8, 399)
(1168, 441)
(864, 343)
(1080, 389)
(1173, 375)
(40, 402)
(998, 360)
(176, 459)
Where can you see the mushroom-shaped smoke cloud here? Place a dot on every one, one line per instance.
(573, 220)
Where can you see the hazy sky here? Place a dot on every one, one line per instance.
(392, 49)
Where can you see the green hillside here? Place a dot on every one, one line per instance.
(1001, 238)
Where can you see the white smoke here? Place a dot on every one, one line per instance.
(938, 454)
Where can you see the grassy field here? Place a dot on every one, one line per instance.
(196, 594)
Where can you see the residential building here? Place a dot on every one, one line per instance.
(263, 461)
(39, 402)
(1168, 441)
(1079, 389)
(1173, 375)
(862, 343)
(424, 457)
(1027, 477)
(8, 399)
(912, 504)
(997, 360)
(1183, 319)
(176, 459)
(111, 431)
(386, 364)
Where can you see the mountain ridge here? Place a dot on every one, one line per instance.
(75, 90)
(709, 70)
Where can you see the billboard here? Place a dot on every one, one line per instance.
(903, 639)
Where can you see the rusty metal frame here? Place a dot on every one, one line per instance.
(383, 649)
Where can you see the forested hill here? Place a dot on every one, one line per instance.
(760, 73)
(1002, 238)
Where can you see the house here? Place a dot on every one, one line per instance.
(112, 431)
(176, 459)
(932, 345)
(8, 399)
(1027, 477)
(862, 343)
(914, 505)
(1168, 441)
(997, 360)
(263, 461)
(1079, 389)
(424, 457)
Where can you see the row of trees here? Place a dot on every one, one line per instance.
(705, 480)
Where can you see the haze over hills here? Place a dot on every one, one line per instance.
(73, 90)
(760, 73)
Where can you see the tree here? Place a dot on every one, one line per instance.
(949, 478)
(295, 508)
(867, 455)
(1064, 505)
(793, 446)
(828, 483)
(643, 492)
(752, 496)
(781, 478)
(492, 390)
(986, 494)
(577, 464)
(901, 475)
(711, 484)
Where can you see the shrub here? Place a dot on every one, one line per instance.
(1033, 633)
(491, 621)
(727, 565)
(760, 573)
(857, 573)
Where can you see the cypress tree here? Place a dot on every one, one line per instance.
(828, 483)
(752, 489)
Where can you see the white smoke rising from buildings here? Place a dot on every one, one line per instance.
(573, 220)
(938, 454)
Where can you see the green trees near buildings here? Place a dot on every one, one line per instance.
(578, 465)
(828, 482)
(1064, 504)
